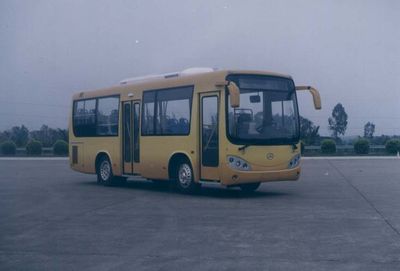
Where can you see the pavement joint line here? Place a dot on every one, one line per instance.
(396, 231)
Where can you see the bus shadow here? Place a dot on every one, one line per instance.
(206, 190)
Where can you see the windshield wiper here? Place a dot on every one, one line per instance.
(243, 147)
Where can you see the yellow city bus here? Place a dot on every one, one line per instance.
(236, 128)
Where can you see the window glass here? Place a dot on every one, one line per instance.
(107, 116)
(172, 110)
(173, 113)
(148, 113)
(267, 113)
(84, 119)
(136, 146)
(209, 131)
(96, 117)
(127, 132)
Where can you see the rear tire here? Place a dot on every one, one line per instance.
(249, 187)
(184, 179)
(104, 172)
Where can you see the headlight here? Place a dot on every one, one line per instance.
(238, 163)
(295, 161)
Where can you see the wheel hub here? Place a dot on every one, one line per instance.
(105, 170)
(185, 175)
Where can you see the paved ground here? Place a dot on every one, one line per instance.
(341, 215)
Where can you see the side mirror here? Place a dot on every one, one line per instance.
(315, 94)
(234, 94)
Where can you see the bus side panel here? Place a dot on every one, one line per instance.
(107, 145)
(157, 150)
(76, 156)
(87, 150)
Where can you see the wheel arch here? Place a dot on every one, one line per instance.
(174, 160)
(100, 154)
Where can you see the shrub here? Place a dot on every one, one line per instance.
(60, 147)
(34, 147)
(328, 146)
(8, 148)
(392, 146)
(361, 146)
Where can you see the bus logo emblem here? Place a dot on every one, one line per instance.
(270, 156)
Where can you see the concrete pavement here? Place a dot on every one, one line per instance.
(341, 215)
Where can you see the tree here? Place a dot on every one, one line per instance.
(5, 136)
(369, 130)
(48, 136)
(338, 121)
(308, 131)
(20, 135)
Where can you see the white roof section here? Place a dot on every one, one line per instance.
(147, 78)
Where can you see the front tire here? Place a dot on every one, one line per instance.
(249, 187)
(184, 178)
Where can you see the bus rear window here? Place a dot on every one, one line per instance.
(85, 117)
(96, 117)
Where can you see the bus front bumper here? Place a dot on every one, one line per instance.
(234, 177)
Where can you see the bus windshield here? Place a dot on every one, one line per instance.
(268, 112)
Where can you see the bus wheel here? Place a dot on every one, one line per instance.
(104, 172)
(249, 187)
(184, 178)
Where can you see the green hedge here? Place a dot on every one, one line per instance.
(60, 147)
(34, 147)
(361, 146)
(393, 146)
(8, 148)
(328, 146)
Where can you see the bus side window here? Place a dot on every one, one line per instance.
(107, 116)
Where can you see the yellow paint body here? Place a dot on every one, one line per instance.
(156, 151)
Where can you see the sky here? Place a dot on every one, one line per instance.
(348, 49)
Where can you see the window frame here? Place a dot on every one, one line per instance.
(217, 131)
(262, 142)
(97, 104)
(155, 110)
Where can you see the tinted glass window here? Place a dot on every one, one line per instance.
(84, 118)
(167, 112)
(127, 132)
(107, 116)
(173, 111)
(96, 117)
(136, 117)
(267, 113)
(148, 113)
(209, 131)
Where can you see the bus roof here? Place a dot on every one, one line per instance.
(187, 77)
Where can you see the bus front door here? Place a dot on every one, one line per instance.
(209, 143)
(130, 137)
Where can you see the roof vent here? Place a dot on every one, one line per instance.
(197, 70)
(142, 79)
